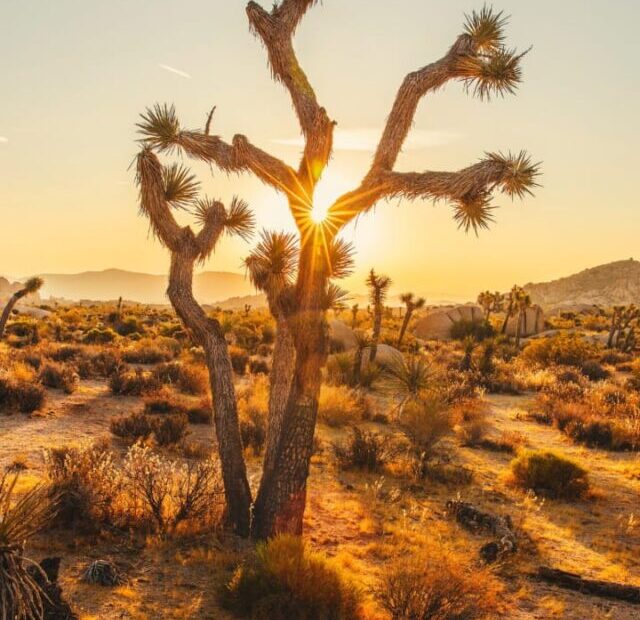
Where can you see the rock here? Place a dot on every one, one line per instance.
(437, 324)
(36, 313)
(385, 355)
(342, 336)
(533, 323)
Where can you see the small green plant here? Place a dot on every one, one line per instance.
(550, 474)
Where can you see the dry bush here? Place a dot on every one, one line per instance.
(167, 430)
(125, 382)
(58, 377)
(340, 369)
(425, 422)
(100, 335)
(365, 451)
(169, 493)
(239, 360)
(549, 474)
(285, 580)
(471, 419)
(594, 371)
(339, 405)
(439, 585)
(165, 401)
(152, 351)
(188, 379)
(565, 349)
(253, 408)
(18, 390)
(101, 363)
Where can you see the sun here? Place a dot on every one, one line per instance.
(319, 211)
(328, 190)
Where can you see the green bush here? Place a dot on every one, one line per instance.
(285, 580)
(549, 474)
(477, 329)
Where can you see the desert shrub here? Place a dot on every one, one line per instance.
(187, 378)
(365, 450)
(126, 382)
(284, 579)
(58, 377)
(567, 349)
(20, 393)
(471, 419)
(101, 363)
(258, 367)
(98, 335)
(437, 585)
(65, 353)
(128, 326)
(253, 407)
(167, 430)
(85, 481)
(340, 369)
(478, 330)
(425, 422)
(549, 474)
(268, 334)
(170, 430)
(594, 371)
(152, 351)
(339, 405)
(168, 494)
(239, 360)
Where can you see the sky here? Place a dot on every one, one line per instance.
(75, 75)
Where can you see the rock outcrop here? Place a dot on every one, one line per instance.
(532, 324)
(437, 323)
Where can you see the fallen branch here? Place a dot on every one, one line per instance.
(595, 587)
(473, 519)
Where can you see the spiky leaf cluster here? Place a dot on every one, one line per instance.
(520, 173)
(180, 186)
(159, 127)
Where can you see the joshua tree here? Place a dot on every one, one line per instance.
(162, 189)
(509, 302)
(490, 302)
(354, 316)
(247, 309)
(363, 341)
(621, 321)
(30, 286)
(411, 305)
(378, 291)
(478, 59)
(523, 303)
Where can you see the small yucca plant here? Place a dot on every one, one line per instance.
(21, 598)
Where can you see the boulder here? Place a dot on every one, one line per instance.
(36, 313)
(437, 323)
(385, 355)
(342, 336)
(533, 322)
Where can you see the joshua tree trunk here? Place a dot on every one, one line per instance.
(281, 500)
(281, 378)
(506, 319)
(13, 300)
(208, 333)
(519, 328)
(405, 324)
(375, 337)
(614, 327)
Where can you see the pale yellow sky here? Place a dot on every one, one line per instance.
(75, 74)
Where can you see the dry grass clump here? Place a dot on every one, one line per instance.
(439, 585)
(98, 363)
(339, 405)
(549, 474)
(167, 430)
(186, 378)
(59, 376)
(100, 335)
(471, 421)
(19, 391)
(239, 360)
(284, 579)
(425, 422)
(126, 382)
(21, 596)
(365, 450)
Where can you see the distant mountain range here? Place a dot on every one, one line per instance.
(605, 285)
(209, 287)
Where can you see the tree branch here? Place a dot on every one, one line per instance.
(276, 30)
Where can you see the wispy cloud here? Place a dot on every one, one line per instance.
(3, 140)
(179, 72)
(367, 138)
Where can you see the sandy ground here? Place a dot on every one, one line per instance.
(353, 516)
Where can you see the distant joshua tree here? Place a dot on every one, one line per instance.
(30, 286)
(522, 304)
(479, 59)
(621, 324)
(378, 291)
(510, 305)
(354, 315)
(490, 302)
(247, 309)
(411, 305)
